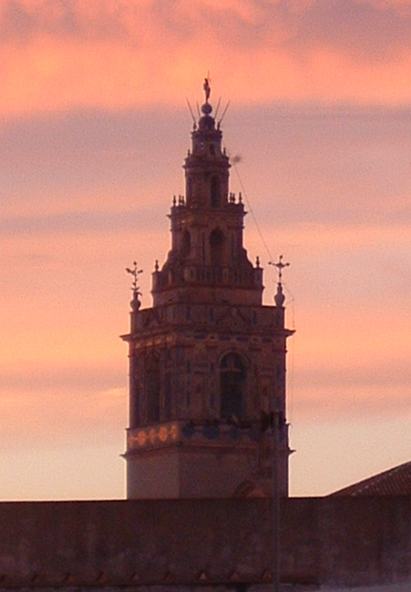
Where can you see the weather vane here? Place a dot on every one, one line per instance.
(207, 88)
(135, 272)
(280, 265)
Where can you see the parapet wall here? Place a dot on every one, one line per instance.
(183, 544)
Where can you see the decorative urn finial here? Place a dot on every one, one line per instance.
(279, 297)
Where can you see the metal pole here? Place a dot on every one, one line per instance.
(275, 505)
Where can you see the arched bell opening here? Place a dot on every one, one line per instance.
(233, 377)
(217, 240)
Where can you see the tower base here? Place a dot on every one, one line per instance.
(182, 460)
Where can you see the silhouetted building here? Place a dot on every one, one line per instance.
(394, 481)
(207, 361)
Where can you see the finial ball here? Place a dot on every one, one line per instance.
(206, 108)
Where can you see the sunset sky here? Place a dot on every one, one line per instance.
(94, 128)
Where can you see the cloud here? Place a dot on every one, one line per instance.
(77, 222)
(400, 5)
(60, 380)
(336, 401)
(54, 418)
(325, 168)
(92, 137)
(392, 375)
(115, 55)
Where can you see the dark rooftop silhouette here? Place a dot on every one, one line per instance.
(394, 481)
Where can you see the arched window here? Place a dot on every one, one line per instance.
(232, 386)
(215, 196)
(152, 387)
(216, 247)
(185, 244)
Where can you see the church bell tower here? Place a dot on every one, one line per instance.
(207, 360)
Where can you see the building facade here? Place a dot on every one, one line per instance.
(208, 359)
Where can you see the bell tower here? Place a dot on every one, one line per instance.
(207, 360)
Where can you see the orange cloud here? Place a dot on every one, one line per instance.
(66, 236)
(133, 54)
(385, 4)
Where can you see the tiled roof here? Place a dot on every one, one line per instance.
(395, 481)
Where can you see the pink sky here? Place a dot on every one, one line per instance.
(93, 132)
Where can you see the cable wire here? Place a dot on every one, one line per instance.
(290, 295)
